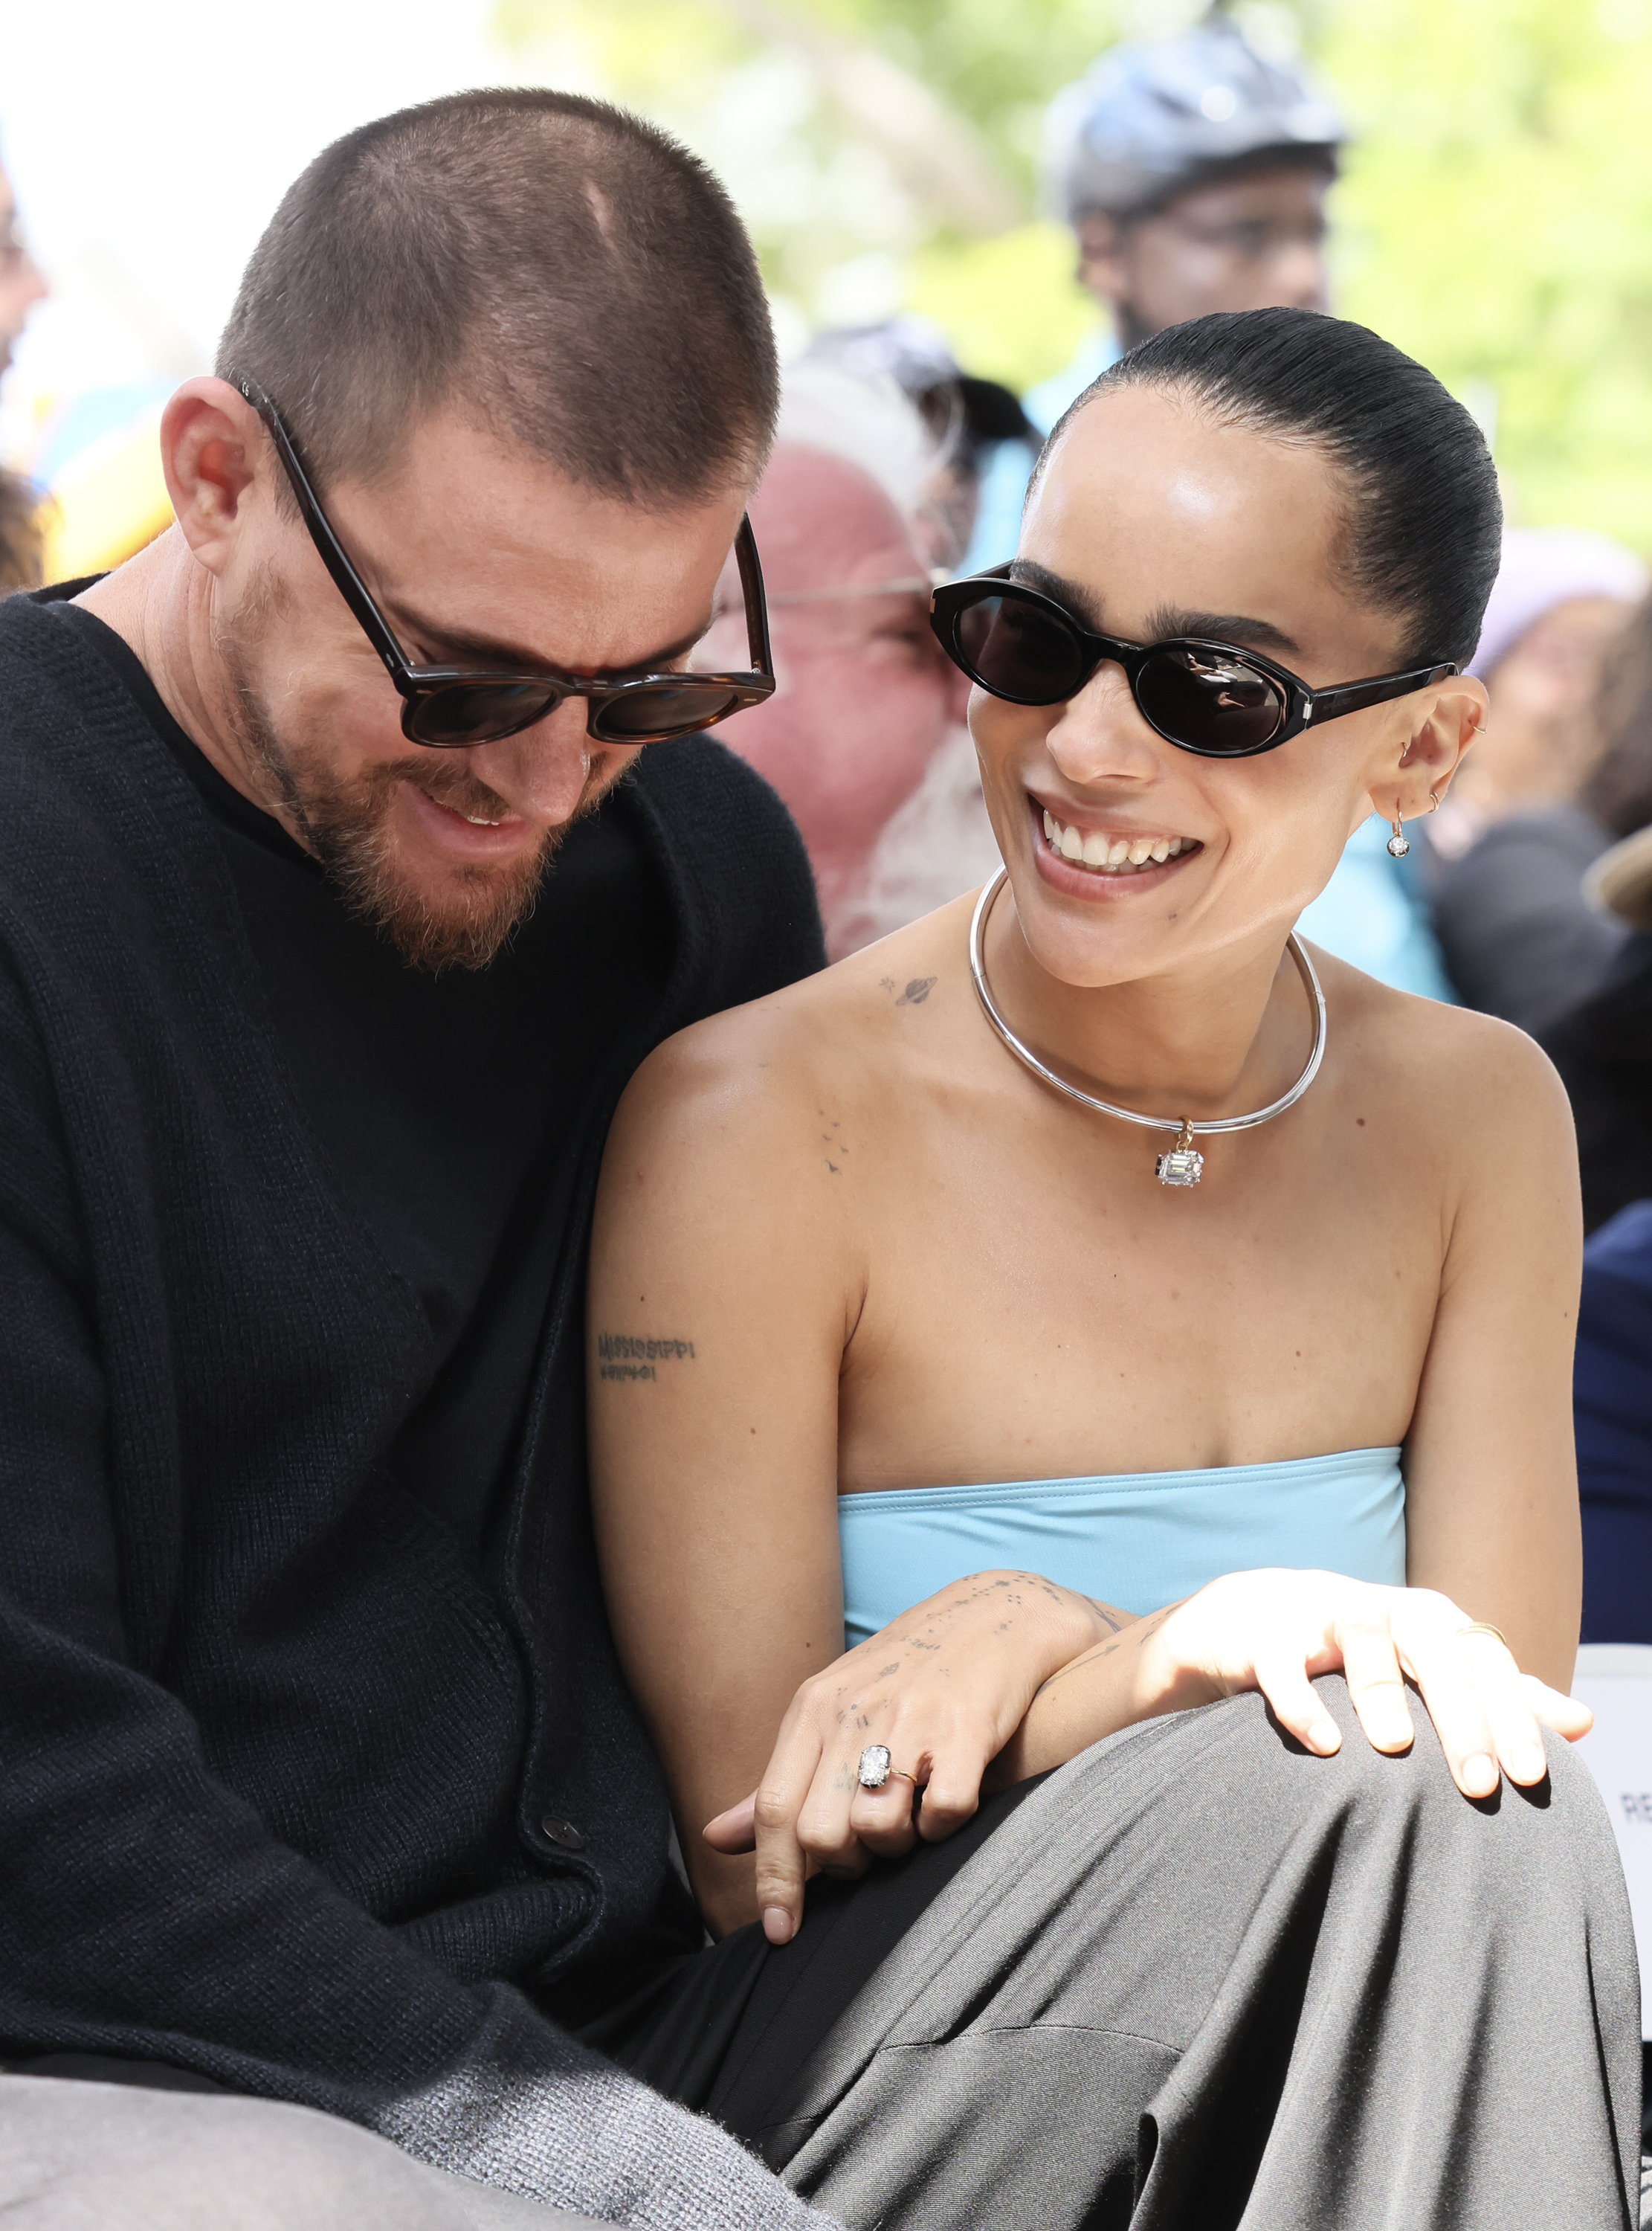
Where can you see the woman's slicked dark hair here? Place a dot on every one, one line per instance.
(1423, 536)
(555, 266)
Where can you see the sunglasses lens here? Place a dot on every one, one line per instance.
(660, 710)
(479, 713)
(1019, 651)
(1209, 701)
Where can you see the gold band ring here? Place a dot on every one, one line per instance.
(900, 1773)
(1484, 1626)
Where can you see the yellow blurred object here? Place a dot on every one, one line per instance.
(109, 501)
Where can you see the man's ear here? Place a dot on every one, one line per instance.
(1443, 724)
(1100, 257)
(213, 453)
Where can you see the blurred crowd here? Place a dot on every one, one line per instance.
(1193, 173)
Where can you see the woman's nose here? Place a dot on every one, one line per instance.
(1100, 735)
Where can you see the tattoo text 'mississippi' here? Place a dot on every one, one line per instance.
(626, 1356)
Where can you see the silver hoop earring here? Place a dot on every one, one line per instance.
(1398, 844)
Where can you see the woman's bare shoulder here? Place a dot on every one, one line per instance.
(763, 1078)
(1443, 1063)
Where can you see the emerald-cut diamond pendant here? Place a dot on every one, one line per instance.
(1184, 1164)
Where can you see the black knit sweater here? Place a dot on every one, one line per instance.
(258, 1713)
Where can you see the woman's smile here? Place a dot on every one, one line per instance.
(1097, 858)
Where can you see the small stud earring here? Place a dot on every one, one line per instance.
(1398, 844)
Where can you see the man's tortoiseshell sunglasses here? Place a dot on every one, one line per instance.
(450, 707)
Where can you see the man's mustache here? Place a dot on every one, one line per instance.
(456, 787)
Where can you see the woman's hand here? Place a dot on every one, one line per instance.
(1273, 1631)
(947, 1689)
(944, 1687)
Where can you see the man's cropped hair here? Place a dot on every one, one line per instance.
(554, 268)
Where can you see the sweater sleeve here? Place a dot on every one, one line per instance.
(149, 1914)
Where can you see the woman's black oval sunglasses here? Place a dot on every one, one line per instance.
(1212, 698)
(450, 706)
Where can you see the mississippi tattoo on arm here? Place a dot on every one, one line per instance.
(632, 1356)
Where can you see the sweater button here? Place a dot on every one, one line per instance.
(563, 1833)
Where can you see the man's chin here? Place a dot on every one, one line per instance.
(438, 916)
(462, 920)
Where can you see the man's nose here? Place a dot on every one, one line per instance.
(1299, 276)
(540, 773)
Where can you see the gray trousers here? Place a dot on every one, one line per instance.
(1195, 1979)
(1201, 1979)
(90, 2156)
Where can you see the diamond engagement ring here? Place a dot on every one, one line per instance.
(875, 1769)
(874, 1766)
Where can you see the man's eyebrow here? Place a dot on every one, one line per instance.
(1168, 621)
(449, 647)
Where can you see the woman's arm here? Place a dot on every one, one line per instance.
(1491, 1508)
(722, 1283)
(726, 1278)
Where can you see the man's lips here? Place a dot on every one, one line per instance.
(462, 838)
(1099, 858)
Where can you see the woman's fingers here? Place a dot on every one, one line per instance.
(1568, 1716)
(1517, 1739)
(884, 1819)
(734, 1831)
(782, 1867)
(1376, 1686)
(1456, 1687)
(1297, 1705)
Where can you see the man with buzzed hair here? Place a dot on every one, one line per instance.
(336, 909)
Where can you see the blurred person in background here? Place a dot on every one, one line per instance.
(1503, 863)
(1193, 173)
(1604, 1049)
(865, 702)
(21, 287)
(966, 418)
(1602, 1045)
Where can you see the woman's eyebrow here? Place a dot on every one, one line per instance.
(1225, 627)
(448, 647)
(1169, 620)
(1078, 601)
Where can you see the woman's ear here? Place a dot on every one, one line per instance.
(213, 452)
(1445, 720)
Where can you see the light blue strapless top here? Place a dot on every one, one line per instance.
(1139, 1540)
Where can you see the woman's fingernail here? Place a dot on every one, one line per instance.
(1529, 1763)
(1479, 1775)
(777, 1924)
(1326, 1735)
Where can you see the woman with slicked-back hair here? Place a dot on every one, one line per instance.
(1079, 1401)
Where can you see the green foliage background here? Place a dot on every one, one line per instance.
(1494, 217)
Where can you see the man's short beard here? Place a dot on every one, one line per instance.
(345, 825)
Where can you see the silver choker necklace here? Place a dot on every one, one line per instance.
(1184, 1164)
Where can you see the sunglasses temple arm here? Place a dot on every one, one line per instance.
(757, 607)
(330, 551)
(1356, 696)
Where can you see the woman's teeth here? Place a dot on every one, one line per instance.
(1115, 855)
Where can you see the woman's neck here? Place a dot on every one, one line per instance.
(1215, 1035)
